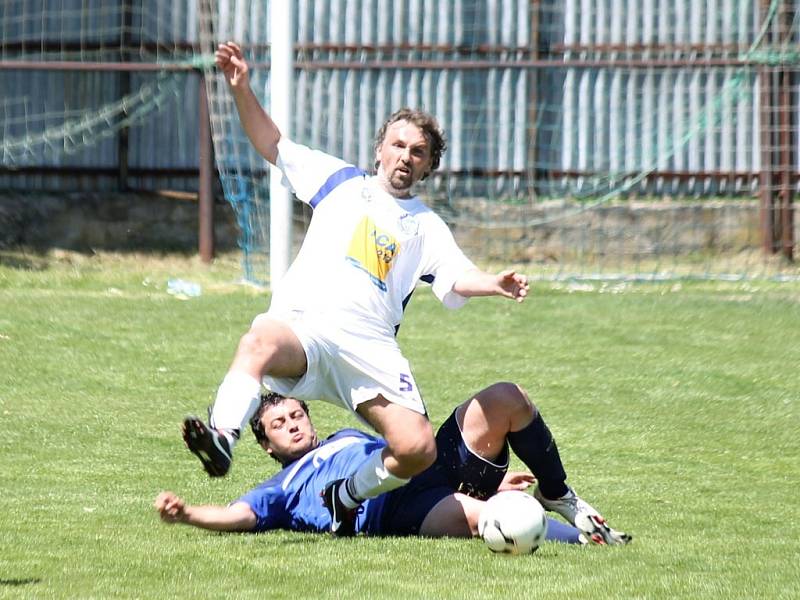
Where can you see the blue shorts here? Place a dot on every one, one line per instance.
(457, 469)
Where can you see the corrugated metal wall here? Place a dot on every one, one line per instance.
(165, 139)
(512, 130)
(484, 110)
(95, 29)
(593, 129)
(674, 119)
(33, 102)
(601, 126)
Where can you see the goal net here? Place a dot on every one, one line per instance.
(611, 139)
(608, 139)
(74, 74)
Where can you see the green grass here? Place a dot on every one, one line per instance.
(676, 408)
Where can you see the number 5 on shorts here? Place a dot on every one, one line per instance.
(406, 383)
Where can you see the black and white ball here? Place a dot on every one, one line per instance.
(513, 522)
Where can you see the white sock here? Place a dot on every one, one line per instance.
(238, 397)
(370, 479)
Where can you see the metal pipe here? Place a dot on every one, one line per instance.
(205, 233)
(124, 90)
(73, 65)
(786, 134)
(171, 172)
(84, 47)
(765, 178)
(787, 172)
(523, 64)
(103, 171)
(454, 64)
(533, 90)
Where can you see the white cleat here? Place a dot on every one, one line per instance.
(595, 530)
(593, 527)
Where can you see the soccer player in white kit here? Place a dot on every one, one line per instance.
(329, 333)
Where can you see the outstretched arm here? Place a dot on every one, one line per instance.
(508, 284)
(257, 124)
(235, 517)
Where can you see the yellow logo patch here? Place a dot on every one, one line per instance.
(373, 250)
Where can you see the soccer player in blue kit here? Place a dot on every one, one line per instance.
(445, 500)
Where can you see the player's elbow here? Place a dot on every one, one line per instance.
(268, 145)
(269, 150)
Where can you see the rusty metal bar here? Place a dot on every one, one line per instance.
(765, 179)
(124, 90)
(785, 195)
(123, 139)
(786, 139)
(38, 46)
(533, 93)
(394, 64)
(81, 171)
(627, 63)
(485, 49)
(520, 64)
(402, 47)
(651, 48)
(474, 172)
(715, 175)
(72, 65)
(206, 198)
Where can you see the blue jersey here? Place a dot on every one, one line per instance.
(291, 499)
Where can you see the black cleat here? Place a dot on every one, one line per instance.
(343, 519)
(210, 446)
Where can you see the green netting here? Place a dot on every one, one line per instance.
(594, 164)
(612, 139)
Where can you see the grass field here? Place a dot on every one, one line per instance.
(676, 408)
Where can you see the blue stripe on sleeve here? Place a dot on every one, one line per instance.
(338, 178)
(427, 279)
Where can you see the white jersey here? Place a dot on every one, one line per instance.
(364, 251)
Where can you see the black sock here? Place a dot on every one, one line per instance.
(534, 445)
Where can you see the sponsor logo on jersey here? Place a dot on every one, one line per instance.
(373, 251)
(408, 224)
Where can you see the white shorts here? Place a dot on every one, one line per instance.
(347, 365)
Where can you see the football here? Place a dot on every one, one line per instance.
(512, 522)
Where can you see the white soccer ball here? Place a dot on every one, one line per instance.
(513, 522)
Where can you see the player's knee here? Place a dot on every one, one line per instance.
(257, 347)
(415, 453)
(422, 457)
(511, 399)
(523, 402)
(427, 454)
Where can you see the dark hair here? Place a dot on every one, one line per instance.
(268, 399)
(429, 126)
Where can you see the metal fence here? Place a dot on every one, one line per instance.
(541, 100)
(73, 73)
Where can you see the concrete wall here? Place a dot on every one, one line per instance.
(108, 221)
(623, 229)
(550, 231)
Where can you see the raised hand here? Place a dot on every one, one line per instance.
(230, 61)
